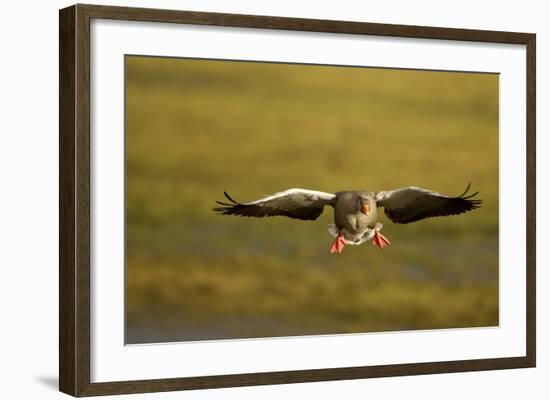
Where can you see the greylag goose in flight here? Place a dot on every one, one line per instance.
(355, 212)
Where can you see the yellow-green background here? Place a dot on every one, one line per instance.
(195, 128)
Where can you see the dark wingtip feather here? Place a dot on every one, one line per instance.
(234, 208)
(230, 198)
(470, 196)
(466, 190)
(225, 207)
(472, 203)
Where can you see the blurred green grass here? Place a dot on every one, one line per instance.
(195, 128)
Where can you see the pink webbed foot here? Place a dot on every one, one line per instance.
(338, 244)
(380, 241)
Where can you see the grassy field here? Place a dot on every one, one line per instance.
(195, 128)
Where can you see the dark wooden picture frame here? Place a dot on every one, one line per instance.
(74, 204)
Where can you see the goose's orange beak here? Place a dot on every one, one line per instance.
(366, 209)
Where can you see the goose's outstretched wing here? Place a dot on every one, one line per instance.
(303, 204)
(407, 205)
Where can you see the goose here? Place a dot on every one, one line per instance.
(355, 212)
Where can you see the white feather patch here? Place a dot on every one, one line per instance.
(367, 235)
(304, 196)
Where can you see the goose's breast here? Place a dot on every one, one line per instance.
(355, 225)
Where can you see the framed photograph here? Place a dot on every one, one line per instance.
(251, 200)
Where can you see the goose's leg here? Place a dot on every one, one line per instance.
(338, 244)
(379, 240)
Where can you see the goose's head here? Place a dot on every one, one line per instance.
(365, 202)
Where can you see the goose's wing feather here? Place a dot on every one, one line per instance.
(410, 204)
(297, 203)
